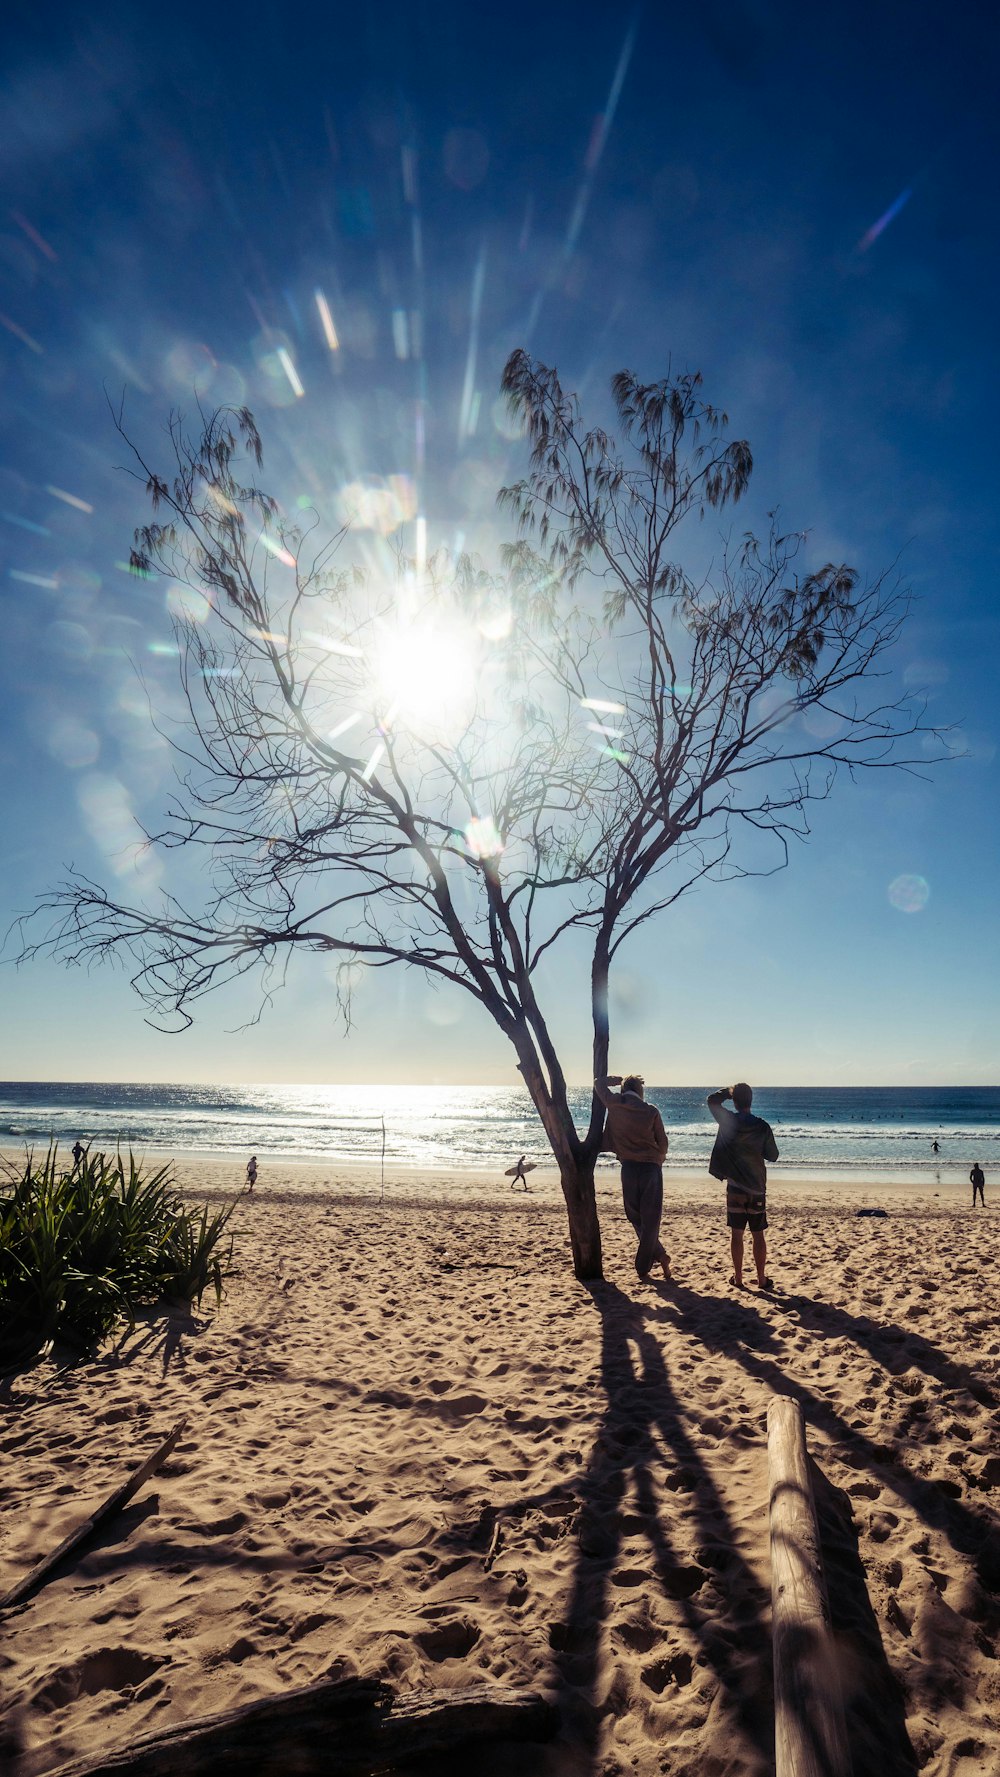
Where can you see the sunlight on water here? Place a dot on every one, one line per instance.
(834, 1129)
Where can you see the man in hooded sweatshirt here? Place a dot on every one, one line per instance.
(636, 1134)
(743, 1145)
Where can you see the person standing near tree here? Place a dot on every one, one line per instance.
(742, 1147)
(636, 1134)
(977, 1179)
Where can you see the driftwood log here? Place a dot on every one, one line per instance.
(114, 1503)
(809, 1734)
(345, 1727)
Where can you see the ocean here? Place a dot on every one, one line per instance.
(856, 1131)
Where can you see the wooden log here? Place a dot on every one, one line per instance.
(810, 1739)
(114, 1503)
(344, 1727)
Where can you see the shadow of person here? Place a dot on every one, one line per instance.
(896, 1348)
(642, 1460)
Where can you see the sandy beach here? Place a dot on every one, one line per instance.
(390, 1393)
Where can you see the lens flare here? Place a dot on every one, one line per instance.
(374, 504)
(106, 808)
(482, 838)
(72, 744)
(188, 604)
(59, 493)
(909, 894)
(326, 322)
(277, 549)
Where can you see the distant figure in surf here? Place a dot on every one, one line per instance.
(251, 1172)
(978, 1180)
(636, 1134)
(742, 1146)
(935, 1148)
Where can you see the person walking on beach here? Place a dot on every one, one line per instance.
(251, 1172)
(743, 1145)
(78, 1152)
(978, 1180)
(636, 1134)
(519, 1173)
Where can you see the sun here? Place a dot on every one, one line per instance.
(426, 674)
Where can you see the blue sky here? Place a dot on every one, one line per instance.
(176, 187)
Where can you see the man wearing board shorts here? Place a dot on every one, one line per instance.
(742, 1147)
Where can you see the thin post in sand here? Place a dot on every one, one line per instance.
(382, 1192)
(810, 1738)
(114, 1503)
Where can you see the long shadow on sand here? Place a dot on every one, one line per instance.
(876, 1712)
(715, 1590)
(645, 1427)
(971, 1532)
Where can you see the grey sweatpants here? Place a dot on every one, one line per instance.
(642, 1196)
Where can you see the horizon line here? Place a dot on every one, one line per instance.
(867, 1085)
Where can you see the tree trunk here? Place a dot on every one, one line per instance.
(577, 1180)
(576, 1169)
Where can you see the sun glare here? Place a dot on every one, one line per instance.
(426, 674)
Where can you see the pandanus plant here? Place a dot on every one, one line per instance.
(85, 1247)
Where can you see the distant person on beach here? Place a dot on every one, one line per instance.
(519, 1173)
(635, 1133)
(743, 1145)
(251, 1172)
(978, 1180)
(78, 1152)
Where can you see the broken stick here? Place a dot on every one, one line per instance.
(114, 1503)
(494, 1548)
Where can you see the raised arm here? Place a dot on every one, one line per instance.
(602, 1086)
(716, 1100)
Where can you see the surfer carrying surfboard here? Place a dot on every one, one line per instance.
(514, 1173)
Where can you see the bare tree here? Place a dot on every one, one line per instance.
(460, 769)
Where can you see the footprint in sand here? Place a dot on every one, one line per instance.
(681, 1581)
(675, 1669)
(642, 1637)
(109, 1669)
(449, 1640)
(864, 1489)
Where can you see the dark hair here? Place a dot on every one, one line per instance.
(633, 1083)
(742, 1096)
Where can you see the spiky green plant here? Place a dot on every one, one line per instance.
(83, 1248)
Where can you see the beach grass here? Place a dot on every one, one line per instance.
(82, 1247)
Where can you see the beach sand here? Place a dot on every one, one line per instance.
(383, 1386)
